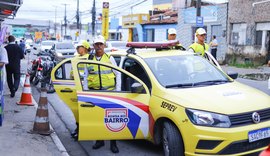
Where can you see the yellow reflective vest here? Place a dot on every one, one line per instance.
(198, 48)
(101, 77)
(81, 67)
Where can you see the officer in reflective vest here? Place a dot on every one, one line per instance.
(103, 78)
(199, 46)
(83, 49)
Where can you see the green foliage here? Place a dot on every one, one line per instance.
(246, 64)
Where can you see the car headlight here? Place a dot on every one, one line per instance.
(59, 54)
(210, 119)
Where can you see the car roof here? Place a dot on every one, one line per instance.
(150, 53)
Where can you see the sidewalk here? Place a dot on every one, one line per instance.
(14, 136)
(243, 71)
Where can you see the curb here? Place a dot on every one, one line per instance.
(54, 136)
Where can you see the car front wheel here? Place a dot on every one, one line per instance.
(172, 140)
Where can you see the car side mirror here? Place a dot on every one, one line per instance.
(232, 74)
(137, 88)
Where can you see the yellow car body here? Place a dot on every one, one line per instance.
(214, 119)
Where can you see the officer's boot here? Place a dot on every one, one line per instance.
(98, 144)
(74, 134)
(114, 147)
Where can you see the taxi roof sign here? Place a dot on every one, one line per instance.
(166, 44)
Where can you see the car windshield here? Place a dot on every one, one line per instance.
(47, 43)
(64, 46)
(185, 71)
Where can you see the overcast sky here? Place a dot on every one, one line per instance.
(45, 9)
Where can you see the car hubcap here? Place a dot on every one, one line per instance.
(165, 143)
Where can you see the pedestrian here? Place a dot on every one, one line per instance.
(108, 83)
(3, 62)
(213, 45)
(15, 54)
(199, 46)
(22, 45)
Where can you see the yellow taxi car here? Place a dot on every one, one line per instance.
(170, 97)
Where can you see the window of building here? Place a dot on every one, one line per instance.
(238, 34)
(258, 37)
(150, 35)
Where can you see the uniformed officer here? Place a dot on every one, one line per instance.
(83, 49)
(107, 76)
(200, 46)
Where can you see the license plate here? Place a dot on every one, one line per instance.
(258, 134)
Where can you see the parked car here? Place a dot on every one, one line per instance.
(29, 42)
(46, 45)
(174, 98)
(63, 50)
(115, 46)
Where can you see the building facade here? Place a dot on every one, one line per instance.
(168, 4)
(248, 31)
(156, 29)
(215, 23)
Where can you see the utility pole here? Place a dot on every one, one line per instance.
(93, 18)
(65, 18)
(198, 6)
(55, 29)
(199, 19)
(78, 15)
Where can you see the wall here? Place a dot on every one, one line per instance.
(218, 17)
(160, 31)
(242, 11)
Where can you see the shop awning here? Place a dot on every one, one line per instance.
(9, 8)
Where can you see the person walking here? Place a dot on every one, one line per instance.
(213, 45)
(108, 83)
(22, 45)
(15, 54)
(200, 46)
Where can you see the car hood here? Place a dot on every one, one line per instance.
(229, 98)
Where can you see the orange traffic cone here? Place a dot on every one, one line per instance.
(26, 97)
(41, 124)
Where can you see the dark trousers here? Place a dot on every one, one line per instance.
(214, 53)
(13, 79)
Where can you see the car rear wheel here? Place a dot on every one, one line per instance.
(172, 140)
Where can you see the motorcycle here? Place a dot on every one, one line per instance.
(41, 68)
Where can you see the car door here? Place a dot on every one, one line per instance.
(65, 86)
(109, 114)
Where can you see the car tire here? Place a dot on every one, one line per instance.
(32, 76)
(172, 140)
